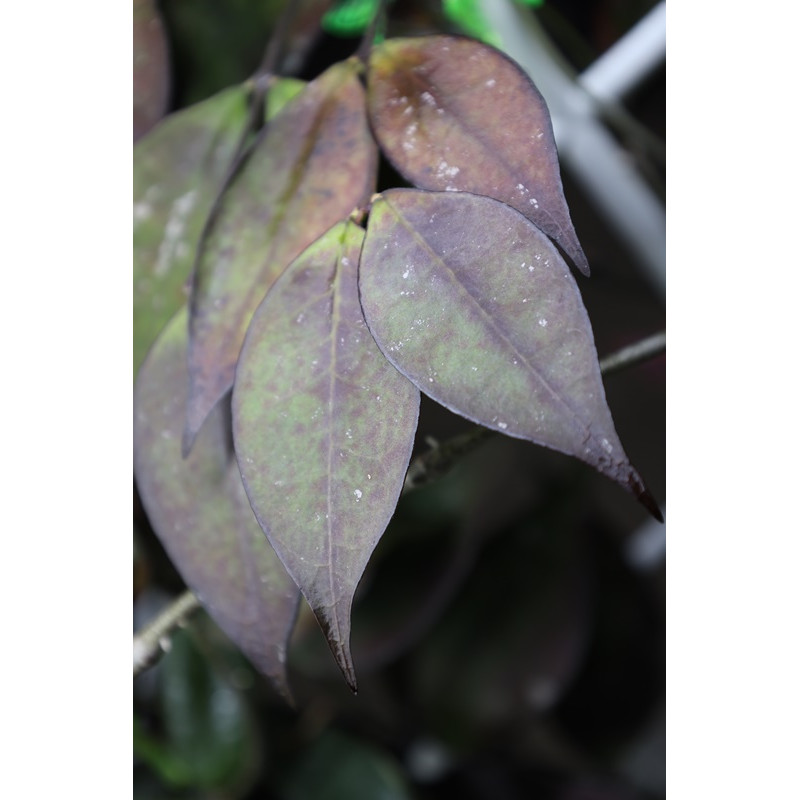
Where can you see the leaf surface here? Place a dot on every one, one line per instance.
(323, 428)
(312, 167)
(476, 306)
(177, 170)
(151, 76)
(454, 114)
(201, 514)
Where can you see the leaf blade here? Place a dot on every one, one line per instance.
(177, 169)
(453, 114)
(315, 163)
(201, 514)
(477, 308)
(323, 429)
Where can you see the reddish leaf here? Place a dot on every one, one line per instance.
(476, 306)
(314, 165)
(457, 115)
(323, 427)
(151, 79)
(200, 512)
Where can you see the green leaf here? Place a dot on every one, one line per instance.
(476, 306)
(313, 166)
(199, 510)
(338, 767)
(323, 428)
(454, 114)
(177, 171)
(208, 735)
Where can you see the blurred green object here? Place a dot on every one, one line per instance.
(207, 736)
(468, 16)
(338, 767)
(349, 17)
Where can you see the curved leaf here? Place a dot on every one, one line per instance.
(315, 163)
(177, 171)
(199, 510)
(476, 306)
(323, 428)
(453, 114)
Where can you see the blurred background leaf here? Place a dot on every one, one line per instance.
(151, 68)
(206, 737)
(338, 767)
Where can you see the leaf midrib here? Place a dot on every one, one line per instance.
(488, 317)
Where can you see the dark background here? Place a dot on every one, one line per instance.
(507, 644)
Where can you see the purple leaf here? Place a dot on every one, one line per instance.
(323, 427)
(315, 164)
(200, 512)
(453, 114)
(151, 73)
(475, 305)
(177, 171)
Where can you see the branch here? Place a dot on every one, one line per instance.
(643, 350)
(150, 643)
(441, 457)
(153, 641)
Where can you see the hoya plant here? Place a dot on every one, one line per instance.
(290, 309)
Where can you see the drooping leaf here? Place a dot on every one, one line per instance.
(453, 114)
(323, 428)
(476, 306)
(315, 164)
(177, 170)
(151, 76)
(200, 512)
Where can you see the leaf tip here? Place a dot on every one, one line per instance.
(338, 641)
(575, 255)
(280, 684)
(645, 496)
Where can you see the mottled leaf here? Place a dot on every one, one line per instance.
(200, 512)
(476, 306)
(177, 171)
(323, 427)
(151, 77)
(314, 165)
(453, 114)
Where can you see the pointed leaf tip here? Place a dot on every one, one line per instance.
(339, 644)
(645, 497)
(323, 429)
(475, 305)
(453, 114)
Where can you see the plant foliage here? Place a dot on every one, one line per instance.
(276, 409)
